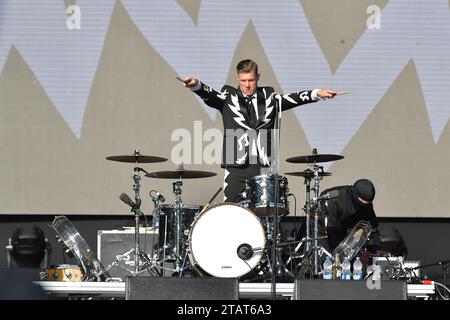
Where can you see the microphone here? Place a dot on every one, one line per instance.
(160, 197)
(127, 200)
(157, 196)
(245, 251)
(134, 207)
(329, 195)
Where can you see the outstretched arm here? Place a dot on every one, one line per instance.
(292, 100)
(210, 96)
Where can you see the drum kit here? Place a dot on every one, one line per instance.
(227, 240)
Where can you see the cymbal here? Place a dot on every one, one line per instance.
(314, 158)
(180, 173)
(308, 174)
(136, 158)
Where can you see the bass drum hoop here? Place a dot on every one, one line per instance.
(256, 256)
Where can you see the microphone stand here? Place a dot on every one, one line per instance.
(277, 194)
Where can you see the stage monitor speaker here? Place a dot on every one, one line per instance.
(174, 288)
(311, 289)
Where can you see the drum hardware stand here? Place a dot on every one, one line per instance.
(178, 205)
(312, 205)
(137, 212)
(121, 258)
(135, 208)
(300, 243)
(280, 271)
(281, 268)
(136, 158)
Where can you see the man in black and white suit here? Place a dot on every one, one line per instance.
(249, 115)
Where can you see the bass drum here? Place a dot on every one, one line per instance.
(220, 239)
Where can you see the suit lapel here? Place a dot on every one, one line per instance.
(261, 102)
(265, 108)
(243, 108)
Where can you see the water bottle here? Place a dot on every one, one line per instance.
(327, 269)
(346, 273)
(155, 221)
(357, 269)
(337, 269)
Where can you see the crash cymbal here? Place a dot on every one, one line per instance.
(136, 158)
(315, 158)
(307, 174)
(180, 173)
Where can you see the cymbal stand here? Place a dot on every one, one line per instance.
(316, 190)
(139, 256)
(307, 209)
(311, 206)
(137, 212)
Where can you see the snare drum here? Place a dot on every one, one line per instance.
(226, 241)
(168, 227)
(259, 195)
(64, 272)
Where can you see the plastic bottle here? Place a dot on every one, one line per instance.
(327, 269)
(357, 269)
(155, 221)
(337, 269)
(346, 272)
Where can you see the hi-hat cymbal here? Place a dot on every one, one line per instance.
(315, 158)
(180, 173)
(309, 174)
(136, 158)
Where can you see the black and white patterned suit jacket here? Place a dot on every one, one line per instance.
(243, 142)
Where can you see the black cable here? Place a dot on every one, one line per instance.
(295, 204)
(297, 224)
(259, 249)
(296, 230)
(250, 268)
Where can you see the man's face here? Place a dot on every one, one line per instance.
(248, 81)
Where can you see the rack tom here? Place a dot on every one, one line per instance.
(259, 195)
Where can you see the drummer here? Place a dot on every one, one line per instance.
(249, 116)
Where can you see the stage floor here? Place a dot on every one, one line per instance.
(246, 290)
